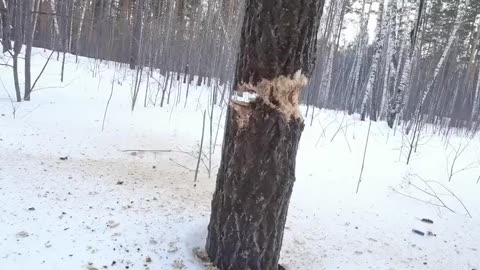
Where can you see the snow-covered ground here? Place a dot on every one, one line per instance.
(73, 197)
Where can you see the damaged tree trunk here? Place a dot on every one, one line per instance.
(257, 171)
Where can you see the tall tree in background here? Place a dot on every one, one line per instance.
(193, 41)
(257, 171)
(6, 27)
(136, 35)
(28, 26)
(17, 47)
(396, 103)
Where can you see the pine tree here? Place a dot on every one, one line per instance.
(257, 171)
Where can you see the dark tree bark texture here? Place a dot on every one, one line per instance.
(136, 36)
(278, 38)
(17, 47)
(257, 171)
(6, 27)
(28, 51)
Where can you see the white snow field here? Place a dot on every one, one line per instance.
(71, 197)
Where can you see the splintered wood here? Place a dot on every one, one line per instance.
(280, 94)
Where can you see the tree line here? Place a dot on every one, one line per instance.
(419, 64)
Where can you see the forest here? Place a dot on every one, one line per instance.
(239, 134)
(400, 61)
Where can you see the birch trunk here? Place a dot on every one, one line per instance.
(325, 84)
(446, 51)
(396, 102)
(391, 61)
(55, 22)
(379, 43)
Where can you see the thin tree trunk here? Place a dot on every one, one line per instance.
(28, 50)
(54, 11)
(257, 171)
(6, 31)
(17, 47)
(136, 36)
(446, 51)
(36, 8)
(80, 27)
(325, 84)
(475, 98)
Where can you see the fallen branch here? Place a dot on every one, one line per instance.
(430, 191)
(420, 200)
(178, 164)
(147, 150)
(434, 195)
(455, 196)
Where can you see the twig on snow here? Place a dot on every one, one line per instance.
(178, 164)
(455, 196)
(420, 200)
(148, 150)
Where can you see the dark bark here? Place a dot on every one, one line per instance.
(278, 38)
(28, 48)
(17, 47)
(254, 185)
(136, 35)
(257, 171)
(6, 27)
(64, 12)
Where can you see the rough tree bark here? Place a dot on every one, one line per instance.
(6, 27)
(257, 171)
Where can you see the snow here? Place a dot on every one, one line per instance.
(103, 204)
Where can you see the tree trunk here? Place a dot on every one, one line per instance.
(379, 43)
(136, 36)
(55, 21)
(64, 9)
(443, 58)
(257, 171)
(475, 108)
(4, 13)
(28, 48)
(396, 103)
(17, 47)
